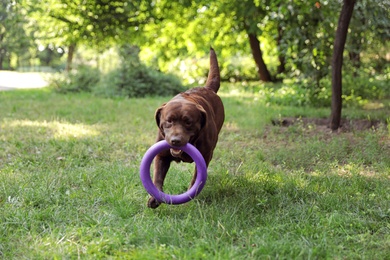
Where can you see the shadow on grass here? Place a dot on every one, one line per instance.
(294, 214)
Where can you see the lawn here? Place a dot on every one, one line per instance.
(70, 187)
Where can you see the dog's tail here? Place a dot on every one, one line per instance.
(213, 79)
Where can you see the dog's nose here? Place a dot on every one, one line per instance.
(176, 141)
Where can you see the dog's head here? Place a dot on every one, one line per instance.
(180, 122)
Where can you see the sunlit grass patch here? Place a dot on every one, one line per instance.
(55, 129)
(349, 170)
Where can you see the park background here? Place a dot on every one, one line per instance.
(284, 183)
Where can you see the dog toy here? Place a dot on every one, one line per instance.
(167, 198)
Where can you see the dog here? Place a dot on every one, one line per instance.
(195, 116)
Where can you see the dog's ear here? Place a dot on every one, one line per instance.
(157, 115)
(203, 113)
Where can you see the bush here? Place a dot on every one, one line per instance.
(366, 87)
(138, 81)
(134, 79)
(239, 68)
(297, 93)
(356, 92)
(82, 79)
(131, 79)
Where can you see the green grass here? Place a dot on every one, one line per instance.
(69, 184)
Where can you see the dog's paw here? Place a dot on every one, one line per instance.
(153, 203)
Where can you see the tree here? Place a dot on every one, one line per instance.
(337, 62)
(246, 15)
(93, 22)
(369, 30)
(190, 27)
(13, 36)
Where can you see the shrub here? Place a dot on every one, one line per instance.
(297, 93)
(131, 79)
(138, 81)
(82, 79)
(134, 79)
(356, 92)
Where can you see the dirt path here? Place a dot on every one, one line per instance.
(10, 80)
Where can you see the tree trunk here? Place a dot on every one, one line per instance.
(337, 62)
(69, 60)
(258, 57)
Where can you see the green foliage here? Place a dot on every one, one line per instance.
(174, 37)
(357, 91)
(89, 22)
(14, 38)
(194, 71)
(301, 33)
(82, 79)
(50, 56)
(134, 79)
(140, 81)
(369, 88)
(237, 69)
(130, 79)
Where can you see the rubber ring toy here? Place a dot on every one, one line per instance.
(167, 198)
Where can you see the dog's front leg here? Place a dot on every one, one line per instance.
(161, 167)
(207, 160)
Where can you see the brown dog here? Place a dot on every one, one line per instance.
(195, 116)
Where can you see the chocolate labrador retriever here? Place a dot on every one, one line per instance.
(196, 117)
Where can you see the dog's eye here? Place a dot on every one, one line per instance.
(188, 123)
(169, 122)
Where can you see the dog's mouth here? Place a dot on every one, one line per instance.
(176, 152)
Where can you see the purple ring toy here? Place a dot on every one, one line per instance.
(167, 198)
